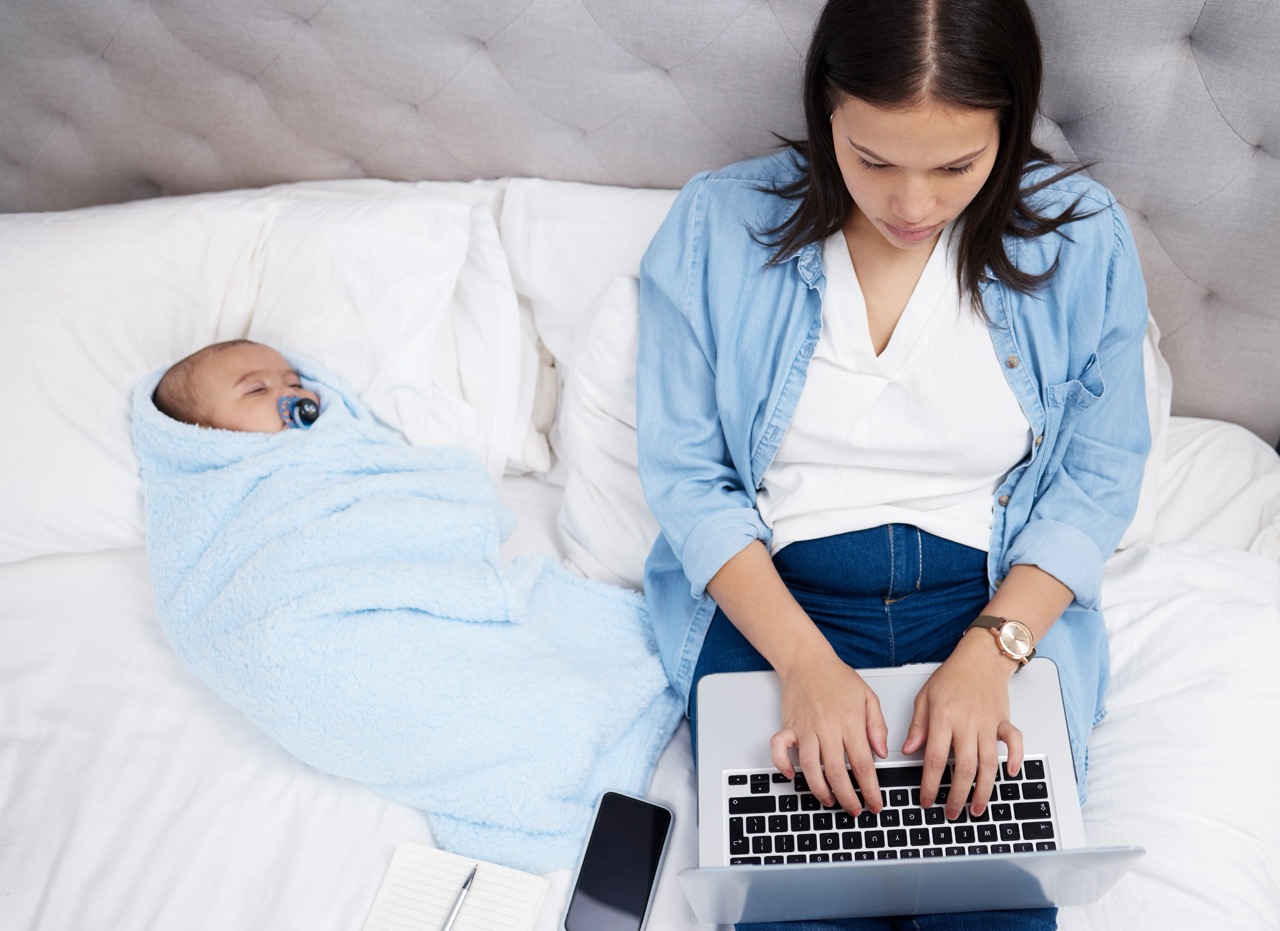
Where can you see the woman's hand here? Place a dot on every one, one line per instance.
(828, 712)
(962, 712)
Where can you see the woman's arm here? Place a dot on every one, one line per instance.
(963, 710)
(828, 711)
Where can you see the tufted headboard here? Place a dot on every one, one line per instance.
(1176, 103)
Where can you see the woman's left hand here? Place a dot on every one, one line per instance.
(962, 712)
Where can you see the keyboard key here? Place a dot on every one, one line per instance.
(887, 855)
(1046, 845)
(985, 816)
(912, 817)
(899, 798)
(784, 843)
(774, 858)
(931, 852)
(788, 803)
(1001, 812)
(864, 855)
(759, 783)
(942, 836)
(823, 821)
(738, 779)
(909, 853)
(868, 819)
(844, 820)
(1001, 848)
(1031, 811)
(954, 851)
(744, 861)
(752, 805)
(801, 823)
(919, 837)
(778, 778)
(762, 844)
(819, 858)
(851, 840)
(842, 856)
(935, 815)
(895, 777)
(797, 858)
(1037, 830)
(736, 829)
(1009, 832)
(898, 838)
(809, 802)
(1035, 790)
(873, 839)
(965, 835)
(978, 849)
(739, 846)
(829, 841)
(987, 834)
(801, 784)
(890, 818)
(806, 842)
(1033, 769)
(1023, 848)
(777, 824)
(755, 824)
(1009, 792)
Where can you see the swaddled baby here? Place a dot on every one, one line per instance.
(236, 385)
(345, 591)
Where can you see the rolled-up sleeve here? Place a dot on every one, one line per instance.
(690, 481)
(1091, 493)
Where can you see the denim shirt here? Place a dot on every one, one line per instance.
(725, 341)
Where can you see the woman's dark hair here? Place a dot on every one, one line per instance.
(976, 54)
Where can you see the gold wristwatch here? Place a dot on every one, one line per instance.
(1013, 638)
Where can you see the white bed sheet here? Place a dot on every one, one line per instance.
(132, 798)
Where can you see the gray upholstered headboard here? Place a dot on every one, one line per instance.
(1176, 101)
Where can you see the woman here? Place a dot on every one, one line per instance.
(890, 382)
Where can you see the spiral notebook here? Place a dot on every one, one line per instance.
(422, 884)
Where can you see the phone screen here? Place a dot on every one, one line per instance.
(619, 866)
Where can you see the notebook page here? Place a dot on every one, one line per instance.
(422, 883)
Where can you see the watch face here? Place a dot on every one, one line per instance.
(1015, 638)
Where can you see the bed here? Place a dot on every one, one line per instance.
(447, 203)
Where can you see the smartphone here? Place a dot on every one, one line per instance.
(619, 869)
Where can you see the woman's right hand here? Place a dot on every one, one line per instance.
(829, 712)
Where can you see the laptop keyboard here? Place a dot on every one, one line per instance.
(773, 819)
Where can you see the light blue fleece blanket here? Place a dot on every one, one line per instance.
(344, 590)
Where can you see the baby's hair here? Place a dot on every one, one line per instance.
(176, 395)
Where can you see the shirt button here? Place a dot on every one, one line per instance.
(1040, 439)
(1004, 501)
(1011, 362)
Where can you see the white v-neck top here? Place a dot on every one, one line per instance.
(922, 434)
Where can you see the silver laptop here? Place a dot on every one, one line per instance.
(769, 851)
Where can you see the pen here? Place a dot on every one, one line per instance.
(457, 903)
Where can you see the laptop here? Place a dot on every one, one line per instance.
(769, 851)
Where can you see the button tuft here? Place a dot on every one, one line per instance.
(1004, 501)
(1011, 362)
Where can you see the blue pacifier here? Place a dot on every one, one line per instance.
(298, 412)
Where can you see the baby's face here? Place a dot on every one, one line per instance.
(240, 388)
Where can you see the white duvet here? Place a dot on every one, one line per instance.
(132, 798)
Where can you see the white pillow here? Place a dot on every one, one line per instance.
(604, 523)
(566, 240)
(394, 287)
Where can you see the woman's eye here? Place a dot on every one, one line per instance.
(872, 165)
(961, 170)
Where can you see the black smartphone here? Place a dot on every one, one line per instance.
(619, 868)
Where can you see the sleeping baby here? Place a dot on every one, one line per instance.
(237, 385)
(345, 591)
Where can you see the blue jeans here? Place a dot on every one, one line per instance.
(883, 597)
